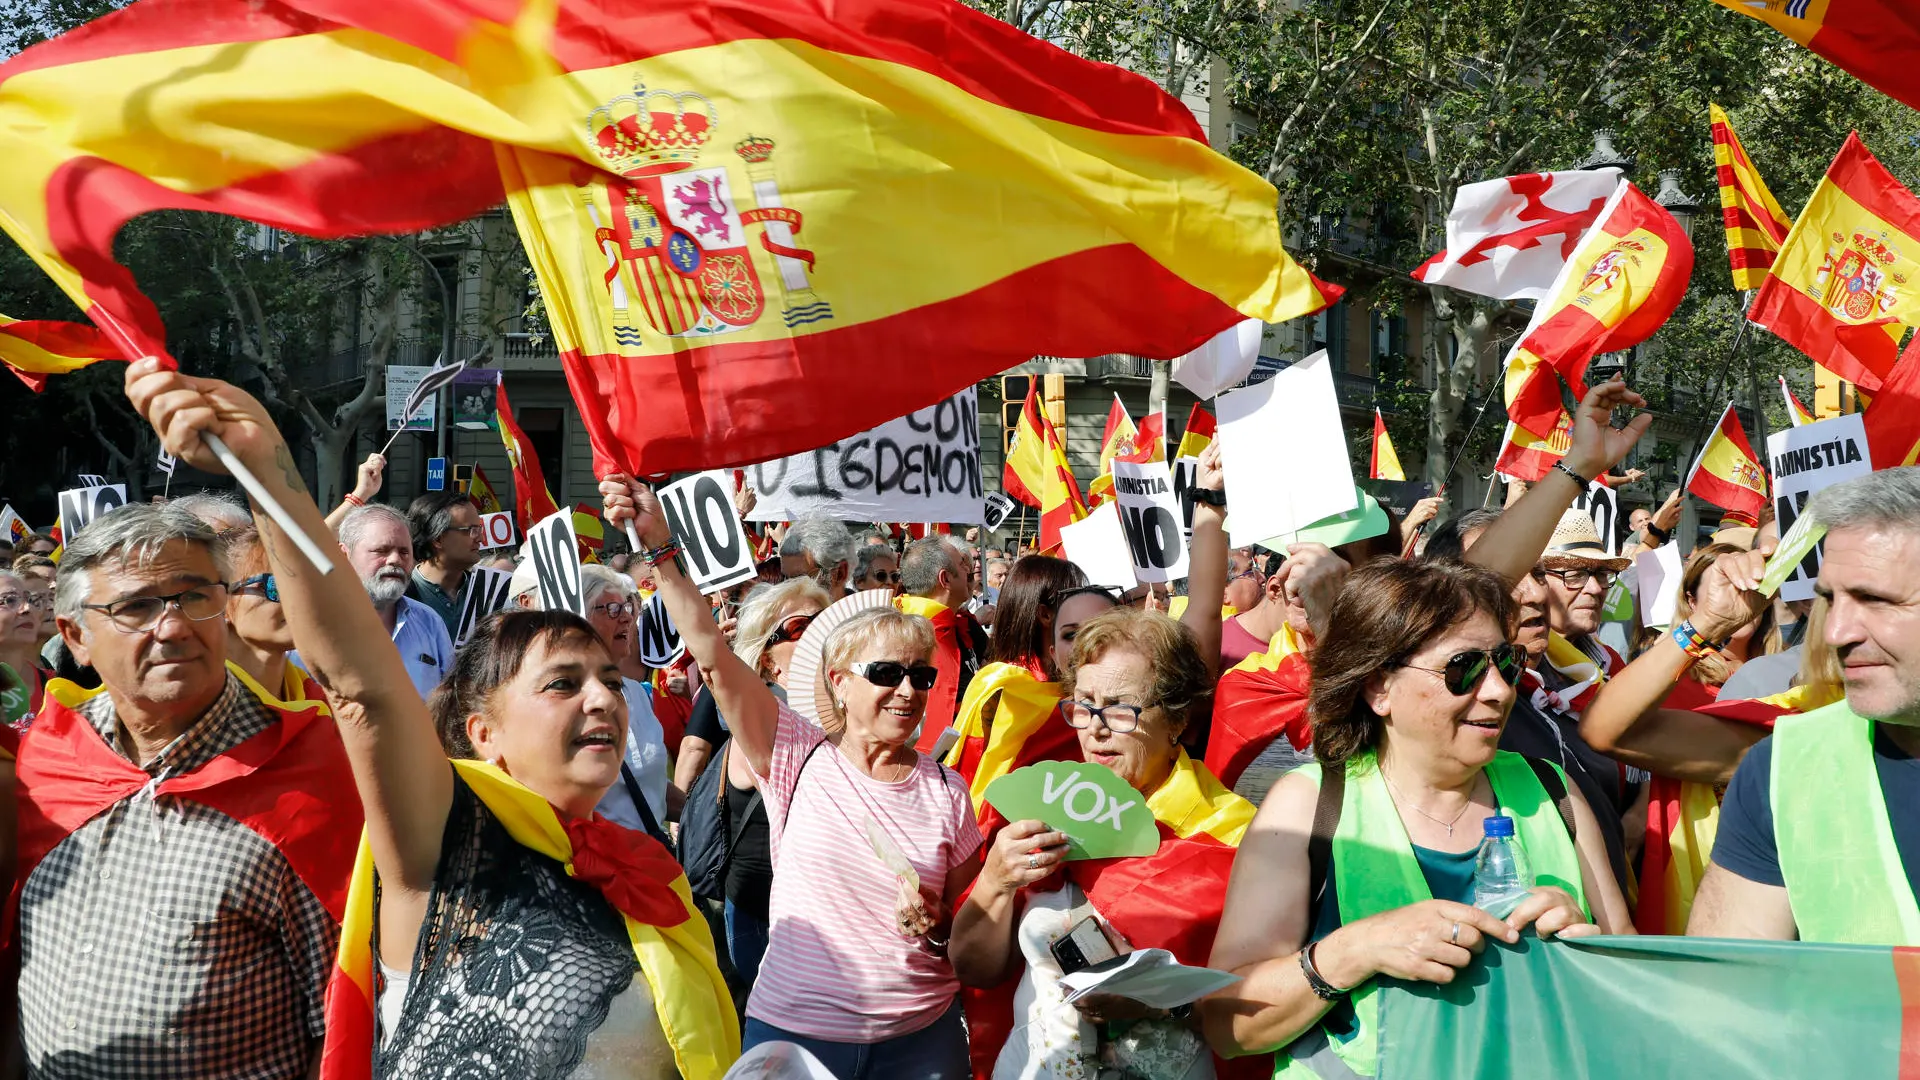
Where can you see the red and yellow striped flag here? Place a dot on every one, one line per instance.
(1198, 434)
(1756, 226)
(1025, 473)
(1117, 441)
(1727, 473)
(1625, 278)
(1150, 442)
(1874, 40)
(718, 264)
(35, 349)
(1841, 290)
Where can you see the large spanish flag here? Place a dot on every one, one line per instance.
(1627, 275)
(1841, 289)
(34, 349)
(1756, 226)
(1874, 40)
(736, 209)
(1727, 473)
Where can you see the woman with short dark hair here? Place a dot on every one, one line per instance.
(1411, 687)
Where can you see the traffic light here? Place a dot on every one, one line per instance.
(1013, 398)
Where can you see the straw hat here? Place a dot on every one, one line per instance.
(807, 691)
(1576, 545)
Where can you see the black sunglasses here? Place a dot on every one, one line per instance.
(1465, 670)
(889, 673)
(790, 629)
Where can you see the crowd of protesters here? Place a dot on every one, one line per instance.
(257, 821)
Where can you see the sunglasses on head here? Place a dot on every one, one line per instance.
(890, 673)
(790, 629)
(1464, 670)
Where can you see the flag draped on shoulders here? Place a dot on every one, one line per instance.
(1258, 699)
(1624, 279)
(1171, 900)
(1873, 40)
(670, 939)
(1009, 719)
(1841, 289)
(1756, 226)
(36, 348)
(1683, 816)
(1728, 473)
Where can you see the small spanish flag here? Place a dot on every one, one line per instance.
(1873, 40)
(480, 490)
(1797, 412)
(1727, 474)
(1116, 441)
(1060, 501)
(1625, 278)
(1835, 292)
(1025, 475)
(1756, 226)
(35, 349)
(1198, 434)
(1150, 444)
(1526, 456)
(1385, 464)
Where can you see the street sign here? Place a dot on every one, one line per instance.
(436, 474)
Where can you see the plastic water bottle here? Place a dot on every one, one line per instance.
(1501, 876)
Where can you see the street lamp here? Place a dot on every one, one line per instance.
(1604, 155)
(1681, 205)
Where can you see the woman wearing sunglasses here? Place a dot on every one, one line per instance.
(1133, 682)
(872, 843)
(1411, 687)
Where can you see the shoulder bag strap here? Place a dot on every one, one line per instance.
(1326, 819)
(639, 798)
(746, 812)
(1549, 778)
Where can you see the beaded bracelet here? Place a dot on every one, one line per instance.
(656, 556)
(350, 497)
(1694, 643)
(1577, 478)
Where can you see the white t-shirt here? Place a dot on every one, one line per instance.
(646, 759)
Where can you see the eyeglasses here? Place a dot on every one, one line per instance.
(890, 673)
(615, 609)
(791, 628)
(475, 532)
(1465, 670)
(1577, 579)
(1118, 717)
(1249, 572)
(138, 614)
(264, 584)
(12, 600)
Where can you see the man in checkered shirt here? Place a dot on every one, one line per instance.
(162, 937)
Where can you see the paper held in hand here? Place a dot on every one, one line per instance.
(1151, 977)
(1794, 547)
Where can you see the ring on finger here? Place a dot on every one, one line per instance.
(1454, 937)
(1033, 860)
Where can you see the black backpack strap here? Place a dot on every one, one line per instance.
(1549, 778)
(1326, 819)
(647, 820)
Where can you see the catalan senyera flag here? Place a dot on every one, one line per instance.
(35, 348)
(1025, 473)
(532, 501)
(1526, 456)
(1756, 226)
(1625, 278)
(1385, 464)
(1841, 290)
(1060, 501)
(1797, 412)
(732, 207)
(1727, 473)
(1892, 418)
(1873, 40)
(1198, 434)
(1116, 441)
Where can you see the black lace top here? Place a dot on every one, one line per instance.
(516, 966)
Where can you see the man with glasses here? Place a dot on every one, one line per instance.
(446, 544)
(184, 847)
(379, 544)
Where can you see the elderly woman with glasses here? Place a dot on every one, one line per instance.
(23, 677)
(1133, 683)
(1411, 687)
(872, 843)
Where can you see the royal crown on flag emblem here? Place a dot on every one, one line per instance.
(1856, 280)
(649, 132)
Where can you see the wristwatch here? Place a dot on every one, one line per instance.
(1210, 497)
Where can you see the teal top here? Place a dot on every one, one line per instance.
(1449, 877)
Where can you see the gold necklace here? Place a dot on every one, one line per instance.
(1447, 825)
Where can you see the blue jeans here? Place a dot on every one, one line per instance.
(936, 1052)
(746, 943)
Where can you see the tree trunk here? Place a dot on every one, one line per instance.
(1157, 389)
(1457, 382)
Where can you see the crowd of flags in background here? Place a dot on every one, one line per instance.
(752, 369)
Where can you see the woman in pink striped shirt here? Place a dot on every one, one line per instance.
(872, 843)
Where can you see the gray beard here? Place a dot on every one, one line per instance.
(387, 590)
